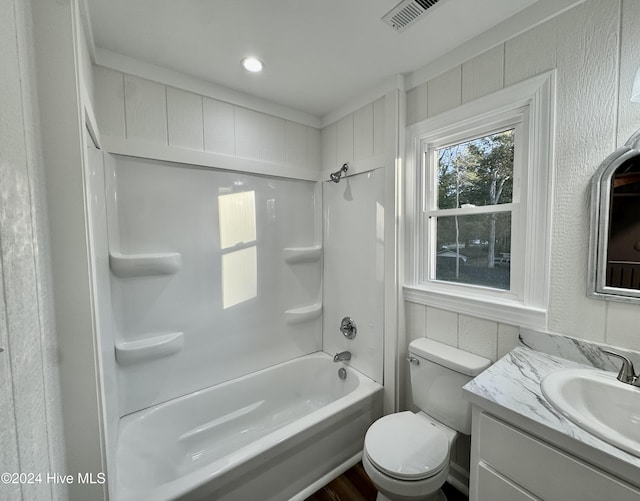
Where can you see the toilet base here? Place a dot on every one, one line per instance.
(436, 496)
(429, 489)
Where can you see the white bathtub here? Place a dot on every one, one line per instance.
(269, 435)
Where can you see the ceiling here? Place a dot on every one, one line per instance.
(318, 55)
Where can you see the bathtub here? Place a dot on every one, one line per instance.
(272, 435)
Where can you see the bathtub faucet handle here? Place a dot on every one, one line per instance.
(348, 328)
(342, 356)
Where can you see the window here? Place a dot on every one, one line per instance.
(469, 212)
(479, 181)
(471, 217)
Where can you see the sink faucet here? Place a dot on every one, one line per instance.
(627, 373)
(342, 356)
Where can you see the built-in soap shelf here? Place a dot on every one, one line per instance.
(144, 265)
(295, 255)
(149, 348)
(303, 314)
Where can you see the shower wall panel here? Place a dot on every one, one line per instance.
(203, 286)
(353, 279)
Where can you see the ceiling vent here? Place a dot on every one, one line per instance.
(406, 13)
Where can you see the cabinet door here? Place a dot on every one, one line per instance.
(493, 486)
(543, 470)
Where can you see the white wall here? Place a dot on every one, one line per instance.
(30, 410)
(135, 111)
(358, 137)
(593, 117)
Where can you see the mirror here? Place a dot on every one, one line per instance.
(614, 257)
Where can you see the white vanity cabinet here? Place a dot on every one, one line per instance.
(509, 464)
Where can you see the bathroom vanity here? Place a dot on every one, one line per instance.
(524, 449)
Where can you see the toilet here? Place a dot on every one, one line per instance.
(406, 454)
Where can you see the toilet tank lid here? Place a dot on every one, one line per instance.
(450, 357)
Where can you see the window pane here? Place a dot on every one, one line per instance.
(477, 172)
(475, 249)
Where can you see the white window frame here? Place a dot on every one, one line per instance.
(529, 107)
(430, 211)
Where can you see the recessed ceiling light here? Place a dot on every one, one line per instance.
(252, 64)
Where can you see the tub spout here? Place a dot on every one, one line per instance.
(342, 356)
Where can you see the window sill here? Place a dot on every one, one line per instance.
(475, 305)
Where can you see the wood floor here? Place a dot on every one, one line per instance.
(354, 485)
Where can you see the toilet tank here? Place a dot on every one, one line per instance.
(437, 380)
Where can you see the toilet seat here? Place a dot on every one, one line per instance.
(406, 446)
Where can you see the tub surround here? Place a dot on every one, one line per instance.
(212, 275)
(510, 390)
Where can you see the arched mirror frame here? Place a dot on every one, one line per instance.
(601, 201)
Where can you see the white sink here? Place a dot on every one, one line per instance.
(599, 403)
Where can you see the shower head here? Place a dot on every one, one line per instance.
(335, 176)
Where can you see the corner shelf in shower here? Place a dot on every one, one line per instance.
(304, 314)
(295, 255)
(144, 265)
(149, 348)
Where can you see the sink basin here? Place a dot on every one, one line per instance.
(597, 402)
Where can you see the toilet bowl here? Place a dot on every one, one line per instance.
(406, 456)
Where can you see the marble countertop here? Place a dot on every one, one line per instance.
(510, 389)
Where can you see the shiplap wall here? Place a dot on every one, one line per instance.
(31, 439)
(358, 137)
(589, 45)
(136, 109)
(483, 337)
